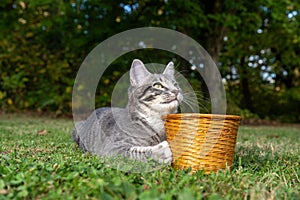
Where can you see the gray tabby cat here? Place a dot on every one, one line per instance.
(137, 130)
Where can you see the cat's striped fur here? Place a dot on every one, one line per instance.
(136, 131)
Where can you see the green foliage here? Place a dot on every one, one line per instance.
(43, 43)
(290, 104)
(258, 62)
(38, 160)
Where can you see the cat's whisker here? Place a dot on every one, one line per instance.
(195, 100)
(191, 102)
(190, 106)
(197, 95)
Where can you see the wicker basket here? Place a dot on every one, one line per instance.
(201, 141)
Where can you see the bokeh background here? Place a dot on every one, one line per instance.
(255, 44)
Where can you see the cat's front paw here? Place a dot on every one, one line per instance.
(162, 153)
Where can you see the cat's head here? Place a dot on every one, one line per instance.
(158, 92)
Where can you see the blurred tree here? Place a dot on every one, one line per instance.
(255, 44)
(260, 54)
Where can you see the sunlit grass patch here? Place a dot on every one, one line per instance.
(39, 160)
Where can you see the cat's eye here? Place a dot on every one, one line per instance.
(158, 86)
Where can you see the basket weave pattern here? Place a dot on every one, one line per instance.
(202, 141)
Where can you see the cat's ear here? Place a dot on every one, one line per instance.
(169, 70)
(138, 72)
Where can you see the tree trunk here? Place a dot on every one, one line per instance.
(244, 85)
(214, 38)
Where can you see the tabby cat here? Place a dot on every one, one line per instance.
(136, 131)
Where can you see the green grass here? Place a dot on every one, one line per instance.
(50, 166)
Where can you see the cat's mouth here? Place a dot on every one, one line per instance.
(167, 102)
(177, 99)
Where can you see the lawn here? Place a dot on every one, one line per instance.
(40, 161)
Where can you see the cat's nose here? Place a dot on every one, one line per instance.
(175, 92)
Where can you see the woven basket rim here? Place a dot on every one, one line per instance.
(199, 115)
